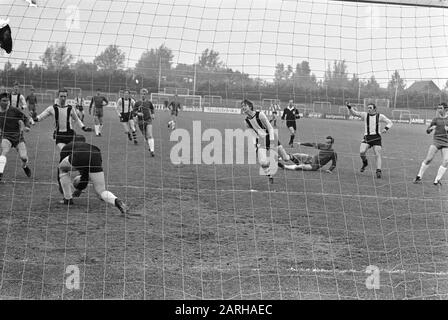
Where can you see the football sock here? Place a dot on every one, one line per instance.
(108, 197)
(151, 144)
(423, 168)
(364, 159)
(134, 135)
(2, 163)
(66, 184)
(97, 129)
(440, 173)
(100, 129)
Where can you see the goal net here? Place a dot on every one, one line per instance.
(204, 223)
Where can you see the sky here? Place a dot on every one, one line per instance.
(251, 36)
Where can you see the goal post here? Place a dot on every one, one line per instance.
(184, 100)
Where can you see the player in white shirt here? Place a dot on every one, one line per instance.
(64, 116)
(372, 136)
(125, 111)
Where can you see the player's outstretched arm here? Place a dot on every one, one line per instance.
(387, 121)
(75, 117)
(353, 112)
(45, 114)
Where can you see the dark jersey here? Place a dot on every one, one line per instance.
(10, 123)
(291, 114)
(31, 99)
(440, 134)
(97, 101)
(146, 107)
(325, 155)
(83, 156)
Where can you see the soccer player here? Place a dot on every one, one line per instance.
(440, 142)
(5, 36)
(12, 125)
(31, 100)
(80, 107)
(125, 109)
(144, 110)
(291, 114)
(306, 162)
(259, 123)
(275, 107)
(372, 137)
(85, 158)
(64, 116)
(98, 101)
(174, 107)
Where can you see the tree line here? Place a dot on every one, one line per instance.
(208, 76)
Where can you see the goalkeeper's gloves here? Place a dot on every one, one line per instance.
(86, 129)
(348, 105)
(429, 130)
(77, 193)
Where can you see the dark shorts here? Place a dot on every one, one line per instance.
(99, 112)
(372, 140)
(32, 107)
(143, 123)
(125, 117)
(274, 113)
(439, 144)
(80, 108)
(64, 137)
(291, 124)
(87, 161)
(14, 139)
(174, 112)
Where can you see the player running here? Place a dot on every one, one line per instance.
(31, 101)
(291, 114)
(174, 107)
(64, 116)
(440, 142)
(125, 109)
(85, 158)
(12, 125)
(306, 162)
(99, 102)
(372, 137)
(266, 136)
(144, 111)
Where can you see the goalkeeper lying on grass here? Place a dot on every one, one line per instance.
(306, 162)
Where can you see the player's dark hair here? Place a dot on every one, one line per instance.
(62, 90)
(372, 104)
(4, 95)
(98, 89)
(330, 138)
(15, 83)
(444, 105)
(249, 103)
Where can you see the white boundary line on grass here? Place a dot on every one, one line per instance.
(4, 182)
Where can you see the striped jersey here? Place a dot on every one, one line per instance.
(125, 105)
(372, 122)
(17, 101)
(63, 117)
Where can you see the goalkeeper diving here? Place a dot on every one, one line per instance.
(306, 162)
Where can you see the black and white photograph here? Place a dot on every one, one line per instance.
(239, 153)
